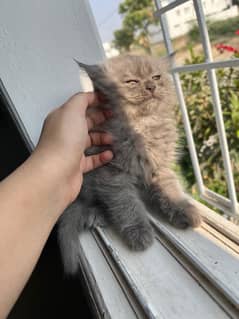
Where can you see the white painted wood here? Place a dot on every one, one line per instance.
(168, 290)
(224, 226)
(110, 290)
(213, 256)
(38, 41)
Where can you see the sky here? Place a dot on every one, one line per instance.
(107, 17)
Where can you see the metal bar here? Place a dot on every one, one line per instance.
(168, 7)
(207, 66)
(179, 92)
(216, 105)
(218, 201)
(188, 131)
(214, 203)
(216, 196)
(165, 29)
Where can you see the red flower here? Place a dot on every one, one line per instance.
(237, 32)
(221, 47)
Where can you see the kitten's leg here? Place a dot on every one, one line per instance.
(126, 212)
(167, 198)
(74, 220)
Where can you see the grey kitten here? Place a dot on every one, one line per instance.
(139, 179)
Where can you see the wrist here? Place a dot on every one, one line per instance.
(55, 176)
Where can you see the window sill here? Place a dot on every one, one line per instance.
(185, 274)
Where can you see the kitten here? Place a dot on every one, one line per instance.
(139, 179)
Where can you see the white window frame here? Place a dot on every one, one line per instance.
(229, 205)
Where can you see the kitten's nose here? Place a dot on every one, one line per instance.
(150, 86)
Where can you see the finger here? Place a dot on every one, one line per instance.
(98, 138)
(95, 118)
(108, 113)
(93, 99)
(83, 100)
(94, 161)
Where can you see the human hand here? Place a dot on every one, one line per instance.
(65, 136)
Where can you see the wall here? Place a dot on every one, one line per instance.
(38, 41)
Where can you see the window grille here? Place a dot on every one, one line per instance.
(228, 205)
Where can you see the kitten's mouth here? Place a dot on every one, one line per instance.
(148, 95)
(144, 97)
(151, 96)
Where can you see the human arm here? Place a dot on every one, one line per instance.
(34, 196)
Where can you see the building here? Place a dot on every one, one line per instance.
(110, 51)
(181, 19)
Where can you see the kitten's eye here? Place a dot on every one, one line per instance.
(131, 81)
(156, 77)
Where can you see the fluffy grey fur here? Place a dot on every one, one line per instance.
(140, 178)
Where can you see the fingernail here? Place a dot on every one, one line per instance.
(107, 156)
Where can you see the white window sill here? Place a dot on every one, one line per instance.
(185, 274)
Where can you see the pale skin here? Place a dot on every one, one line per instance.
(34, 196)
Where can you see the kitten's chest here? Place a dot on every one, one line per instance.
(141, 145)
(149, 132)
(156, 139)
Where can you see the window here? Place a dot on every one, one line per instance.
(228, 205)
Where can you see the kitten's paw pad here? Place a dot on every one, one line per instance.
(180, 220)
(186, 217)
(138, 237)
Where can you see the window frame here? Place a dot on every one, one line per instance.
(229, 205)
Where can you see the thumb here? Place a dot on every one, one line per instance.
(82, 101)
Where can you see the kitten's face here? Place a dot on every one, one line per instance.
(139, 78)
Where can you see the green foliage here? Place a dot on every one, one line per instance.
(216, 29)
(123, 39)
(200, 108)
(137, 17)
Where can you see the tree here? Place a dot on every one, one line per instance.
(138, 15)
(123, 39)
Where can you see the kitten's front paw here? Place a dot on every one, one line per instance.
(138, 237)
(187, 216)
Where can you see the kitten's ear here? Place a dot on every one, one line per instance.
(91, 70)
